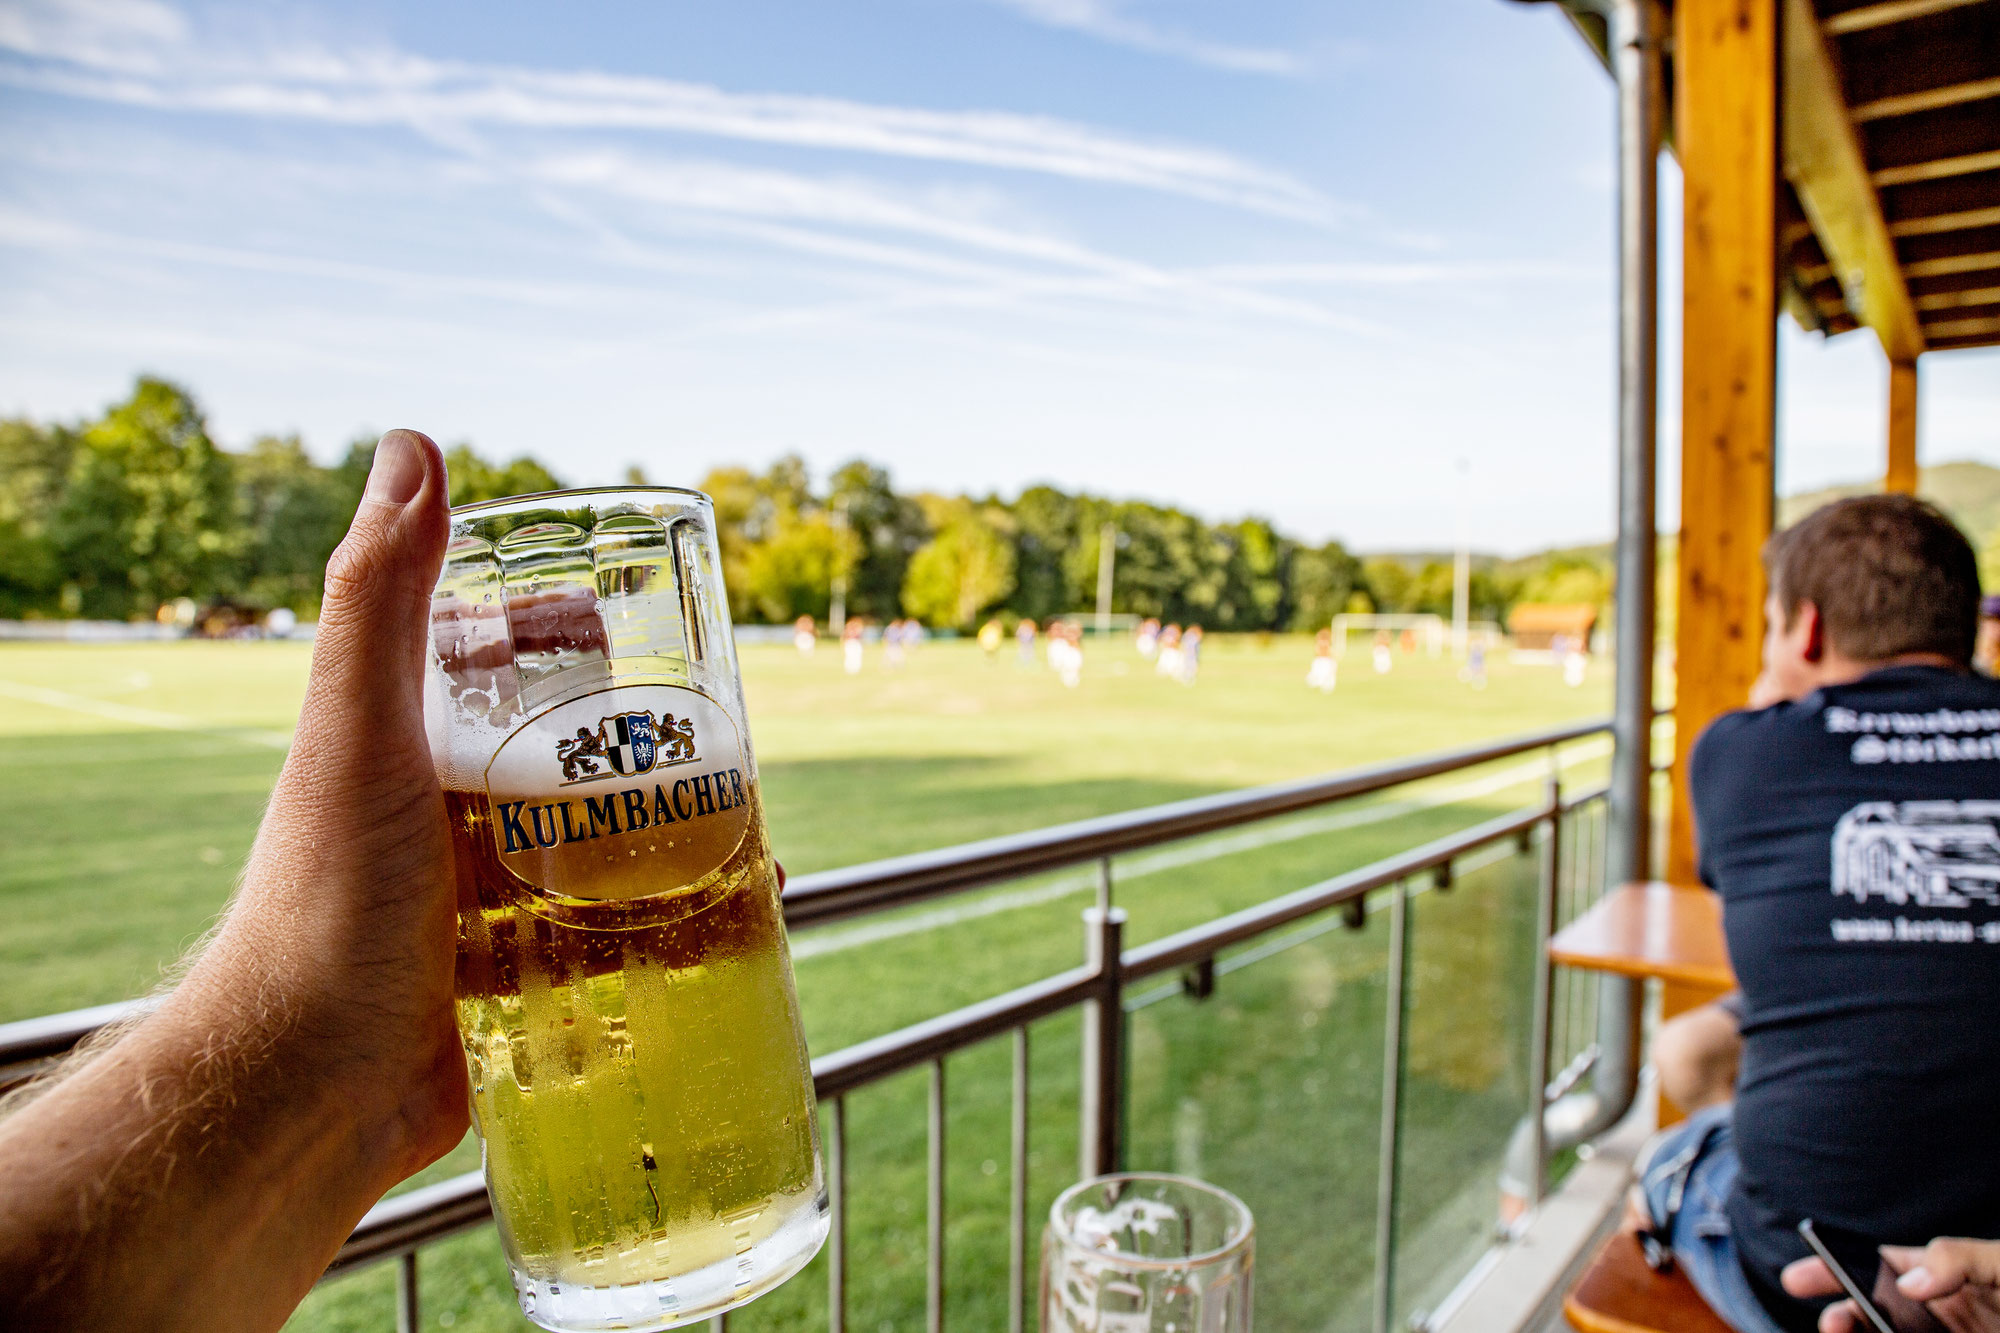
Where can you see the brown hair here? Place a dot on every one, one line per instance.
(1890, 575)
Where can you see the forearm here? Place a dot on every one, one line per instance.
(197, 1173)
(200, 1171)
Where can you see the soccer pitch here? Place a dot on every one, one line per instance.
(132, 778)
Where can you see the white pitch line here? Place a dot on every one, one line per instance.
(818, 943)
(141, 717)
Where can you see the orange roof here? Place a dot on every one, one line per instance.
(1552, 618)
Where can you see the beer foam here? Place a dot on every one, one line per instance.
(463, 741)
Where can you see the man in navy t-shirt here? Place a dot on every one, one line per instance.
(1853, 831)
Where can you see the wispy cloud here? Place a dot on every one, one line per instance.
(141, 53)
(1108, 21)
(981, 260)
(103, 34)
(1392, 274)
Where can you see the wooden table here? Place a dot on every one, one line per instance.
(1651, 929)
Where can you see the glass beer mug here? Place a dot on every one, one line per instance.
(1145, 1253)
(639, 1076)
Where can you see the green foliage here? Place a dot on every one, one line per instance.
(1424, 585)
(296, 513)
(1390, 584)
(1325, 582)
(1045, 522)
(148, 511)
(888, 529)
(34, 464)
(116, 516)
(790, 573)
(1254, 591)
(1568, 578)
(474, 479)
(966, 568)
(750, 510)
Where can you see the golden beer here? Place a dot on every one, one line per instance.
(639, 1075)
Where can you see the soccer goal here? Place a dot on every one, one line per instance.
(1428, 629)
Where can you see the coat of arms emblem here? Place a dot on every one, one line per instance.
(626, 745)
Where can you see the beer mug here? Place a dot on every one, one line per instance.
(1146, 1253)
(640, 1082)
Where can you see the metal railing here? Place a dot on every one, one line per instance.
(398, 1227)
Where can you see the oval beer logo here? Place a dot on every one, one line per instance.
(622, 794)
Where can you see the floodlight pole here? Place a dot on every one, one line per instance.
(1107, 551)
(836, 619)
(1461, 574)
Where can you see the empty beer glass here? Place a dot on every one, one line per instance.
(1146, 1254)
(639, 1077)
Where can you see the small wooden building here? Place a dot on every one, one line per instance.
(1535, 626)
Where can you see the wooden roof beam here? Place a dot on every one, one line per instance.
(1929, 99)
(1865, 16)
(1940, 207)
(1948, 141)
(1953, 300)
(1822, 159)
(1966, 263)
(1937, 169)
(1939, 60)
(1968, 251)
(1950, 284)
(1986, 327)
(1935, 223)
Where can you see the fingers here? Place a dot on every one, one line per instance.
(368, 657)
(1944, 1266)
(1809, 1277)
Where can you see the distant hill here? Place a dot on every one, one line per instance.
(1969, 492)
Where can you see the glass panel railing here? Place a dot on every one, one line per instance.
(1271, 1088)
(1465, 1067)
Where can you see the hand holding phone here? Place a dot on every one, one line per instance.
(1887, 1309)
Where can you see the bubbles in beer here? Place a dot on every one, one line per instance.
(643, 1091)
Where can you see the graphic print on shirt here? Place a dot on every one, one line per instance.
(1919, 853)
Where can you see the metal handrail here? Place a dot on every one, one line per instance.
(399, 1225)
(829, 895)
(1203, 942)
(452, 1205)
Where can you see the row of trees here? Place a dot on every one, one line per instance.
(950, 560)
(107, 519)
(112, 517)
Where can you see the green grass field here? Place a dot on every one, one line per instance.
(132, 778)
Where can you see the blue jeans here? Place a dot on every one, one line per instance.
(1686, 1179)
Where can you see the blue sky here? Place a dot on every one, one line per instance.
(1294, 259)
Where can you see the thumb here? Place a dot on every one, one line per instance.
(1944, 1266)
(367, 672)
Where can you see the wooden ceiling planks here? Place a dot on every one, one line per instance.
(1827, 165)
(1919, 84)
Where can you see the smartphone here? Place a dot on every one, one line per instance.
(1903, 1314)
